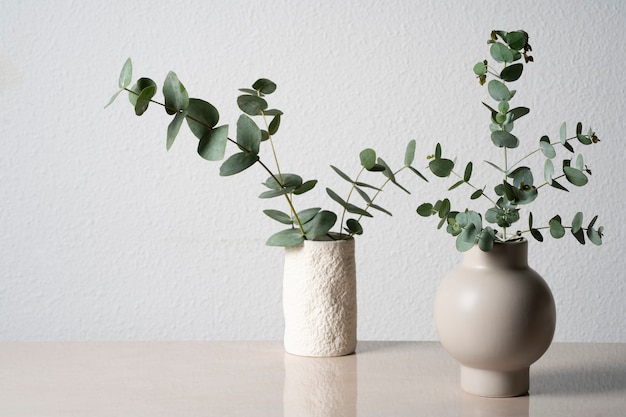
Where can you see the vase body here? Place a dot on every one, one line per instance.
(319, 298)
(496, 316)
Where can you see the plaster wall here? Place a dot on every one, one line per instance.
(106, 236)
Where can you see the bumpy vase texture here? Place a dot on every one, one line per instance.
(496, 316)
(319, 298)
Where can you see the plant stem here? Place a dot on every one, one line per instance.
(474, 187)
(506, 171)
(539, 149)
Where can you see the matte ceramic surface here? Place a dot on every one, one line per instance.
(243, 379)
(496, 316)
(319, 298)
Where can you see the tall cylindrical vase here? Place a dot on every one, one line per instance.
(319, 298)
(496, 316)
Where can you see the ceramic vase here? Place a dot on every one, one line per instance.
(319, 298)
(496, 316)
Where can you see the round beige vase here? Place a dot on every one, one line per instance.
(319, 298)
(496, 316)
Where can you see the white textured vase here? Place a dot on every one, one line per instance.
(319, 298)
(496, 316)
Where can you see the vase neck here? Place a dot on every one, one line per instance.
(502, 255)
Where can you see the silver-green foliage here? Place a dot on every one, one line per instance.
(518, 186)
(203, 118)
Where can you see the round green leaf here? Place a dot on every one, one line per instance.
(546, 148)
(425, 210)
(503, 139)
(498, 91)
(354, 227)
(252, 105)
(212, 145)
(575, 176)
(557, 230)
(264, 86)
(368, 158)
(512, 72)
(501, 52)
(274, 124)
(202, 116)
(320, 225)
(480, 68)
(441, 167)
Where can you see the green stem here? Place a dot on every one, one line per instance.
(539, 149)
(474, 187)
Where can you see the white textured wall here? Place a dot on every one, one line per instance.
(104, 235)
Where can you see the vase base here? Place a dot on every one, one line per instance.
(489, 383)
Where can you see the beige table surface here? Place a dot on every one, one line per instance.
(137, 379)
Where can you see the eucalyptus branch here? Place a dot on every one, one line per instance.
(510, 50)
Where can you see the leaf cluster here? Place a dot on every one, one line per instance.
(518, 186)
(203, 121)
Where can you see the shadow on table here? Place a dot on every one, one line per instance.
(585, 380)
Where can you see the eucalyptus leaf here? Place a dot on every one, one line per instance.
(546, 148)
(563, 133)
(248, 135)
(486, 239)
(389, 174)
(279, 216)
(284, 180)
(419, 174)
(536, 234)
(354, 227)
(126, 75)
(176, 97)
(504, 139)
(368, 158)
(517, 112)
(501, 52)
(140, 85)
(276, 193)
(575, 176)
(305, 187)
(274, 124)
(557, 230)
(286, 238)
(379, 208)
(320, 225)
(237, 162)
(409, 154)
(579, 235)
(308, 214)
(498, 91)
(548, 171)
(212, 146)
(441, 167)
(202, 116)
(512, 72)
(577, 222)
(342, 174)
(456, 184)
(476, 194)
(425, 210)
(558, 186)
(251, 105)
(468, 172)
(173, 128)
(264, 86)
